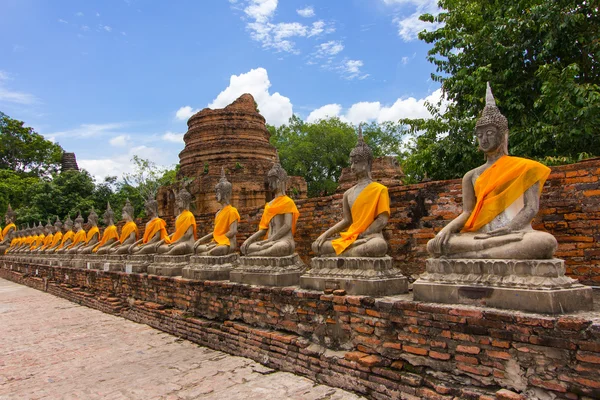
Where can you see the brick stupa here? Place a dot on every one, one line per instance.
(235, 138)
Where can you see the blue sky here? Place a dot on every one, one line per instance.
(110, 79)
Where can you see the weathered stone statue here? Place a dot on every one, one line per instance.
(27, 240)
(129, 232)
(269, 257)
(356, 261)
(275, 235)
(56, 239)
(38, 238)
(154, 233)
(182, 240)
(49, 232)
(110, 235)
(490, 254)
(93, 235)
(9, 232)
(79, 237)
(366, 210)
(221, 241)
(68, 236)
(500, 199)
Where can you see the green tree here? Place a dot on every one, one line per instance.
(23, 150)
(542, 59)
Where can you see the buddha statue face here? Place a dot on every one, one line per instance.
(359, 166)
(183, 200)
(489, 138)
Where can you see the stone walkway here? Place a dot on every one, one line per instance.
(51, 348)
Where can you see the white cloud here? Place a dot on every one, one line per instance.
(12, 96)
(184, 113)
(261, 10)
(106, 28)
(79, 14)
(89, 130)
(410, 26)
(330, 48)
(373, 111)
(350, 69)
(405, 60)
(85, 28)
(306, 12)
(276, 109)
(120, 141)
(173, 137)
(62, 21)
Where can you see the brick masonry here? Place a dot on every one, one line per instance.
(569, 209)
(383, 348)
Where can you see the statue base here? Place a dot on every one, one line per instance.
(64, 260)
(210, 268)
(527, 285)
(138, 264)
(370, 276)
(269, 271)
(168, 265)
(111, 262)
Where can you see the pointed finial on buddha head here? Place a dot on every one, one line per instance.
(491, 115)
(362, 151)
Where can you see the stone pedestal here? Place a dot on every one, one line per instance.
(210, 268)
(370, 276)
(528, 285)
(268, 271)
(168, 265)
(111, 263)
(64, 260)
(138, 264)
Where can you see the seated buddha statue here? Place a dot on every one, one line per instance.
(18, 241)
(57, 236)
(182, 240)
(366, 210)
(68, 236)
(275, 235)
(221, 241)
(500, 199)
(49, 232)
(79, 237)
(38, 238)
(155, 232)
(93, 235)
(110, 235)
(129, 232)
(9, 232)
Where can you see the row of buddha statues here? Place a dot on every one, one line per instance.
(500, 200)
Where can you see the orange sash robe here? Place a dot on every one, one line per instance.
(182, 224)
(500, 185)
(47, 241)
(280, 205)
(79, 237)
(223, 221)
(68, 235)
(109, 233)
(372, 201)
(6, 230)
(153, 227)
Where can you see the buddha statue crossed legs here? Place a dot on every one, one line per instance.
(110, 235)
(154, 233)
(182, 240)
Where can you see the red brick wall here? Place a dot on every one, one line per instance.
(383, 348)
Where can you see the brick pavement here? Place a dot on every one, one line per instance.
(51, 348)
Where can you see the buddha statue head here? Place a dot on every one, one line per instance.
(79, 221)
(127, 212)
(491, 129)
(183, 199)
(48, 228)
(57, 225)
(10, 215)
(69, 223)
(109, 215)
(93, 218)
(361, 157)
(277, 177)
(223, 188)
(40, 228)
(151, 207)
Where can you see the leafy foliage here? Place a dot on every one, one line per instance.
(542, 59)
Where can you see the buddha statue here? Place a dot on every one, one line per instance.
(275, 235)
(93, 235)
(27, 240)
(9, 232)
(68, 236)
(366, 210)
(110, 235)
(129, 232)
(56, 238)
(500, 199)
(38, 238)
(222, 240)
(49, 232)
(182, 240)
(79, 237)
(154, 233)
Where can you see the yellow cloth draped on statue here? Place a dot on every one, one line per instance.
(109, 233)
(79, 237)
(91, 233)
(500, 185)
(223, 221)
(39, 240)
(68, 235)
(127, 230)
(6, 230)
(47, 241)
(280, 205)
(184, 221)
(153, 227)
(56, 240)
(372, 201)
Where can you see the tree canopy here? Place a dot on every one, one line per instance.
(542, 59)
